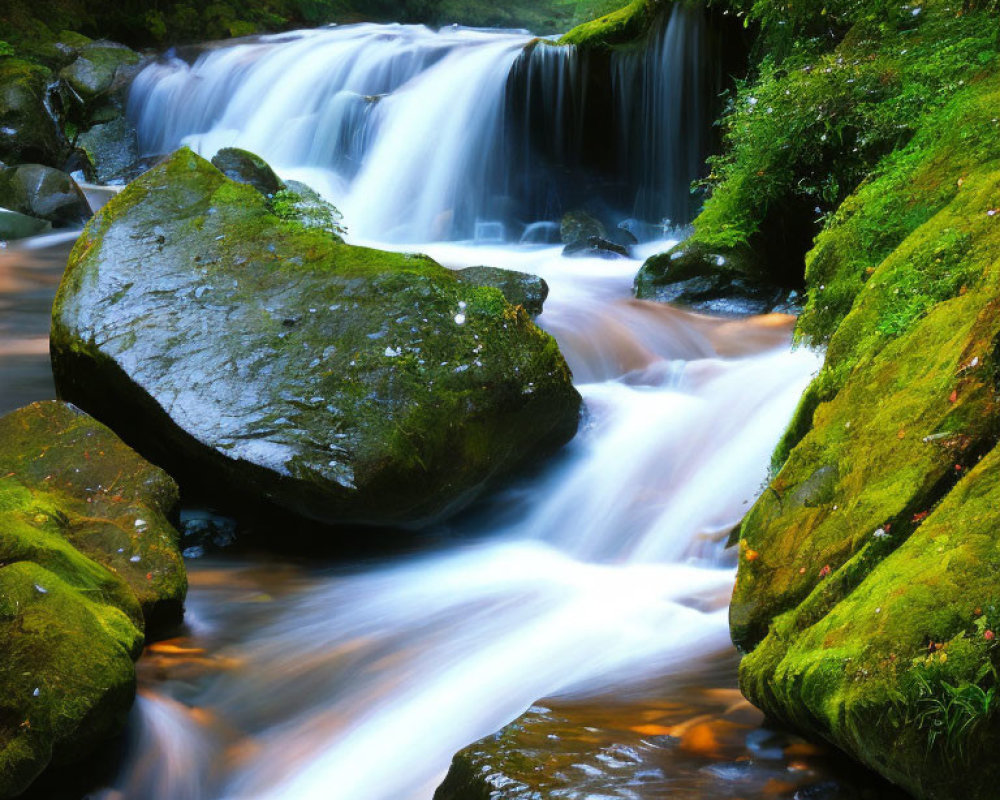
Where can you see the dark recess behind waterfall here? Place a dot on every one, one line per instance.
(593, 149)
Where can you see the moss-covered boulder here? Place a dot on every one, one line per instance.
(88, 559)
(866, 599)
(519, 288)
(302, 204)
(267, 358)
(100, 69)
(624, 25)
(28, 133)
(712, 281)
(578, 226)
(43, 192)
(243, 166)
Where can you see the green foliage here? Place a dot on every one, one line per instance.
(951, 714)
(811, 124)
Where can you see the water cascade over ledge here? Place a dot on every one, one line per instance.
(605, 571)
(420, 135)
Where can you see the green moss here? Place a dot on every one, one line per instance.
(618, 27)
(815, 119)
(87, 560)
(900, 671)
(421, 385)
(871, 541)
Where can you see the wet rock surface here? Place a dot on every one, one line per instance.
(44, 193)
(112, 150)
(723, 283)
(28, 131)
(711, 745)
(519, 288)
(88, 561)
(279, 365)
(245, 167)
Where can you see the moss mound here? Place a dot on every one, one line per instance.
(863, 600)
(263, 355)
(87, 560)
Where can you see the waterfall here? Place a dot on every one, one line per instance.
(421, 135)
(606, 569)
(661, 93)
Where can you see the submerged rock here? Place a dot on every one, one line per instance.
(45, 193)
(19, 226)
(88, 560)
(595, 247)
(243, 166)
(519, 288)
(270, 360)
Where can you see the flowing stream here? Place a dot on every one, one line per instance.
(604, 575)
(607, 570)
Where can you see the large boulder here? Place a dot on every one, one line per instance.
(28, 131)
(99, 69)
(45, 193)
(278, 364)
(578, 227)
(88, 560)
(20, 226)
(112, 150)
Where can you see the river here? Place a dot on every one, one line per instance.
(596, 587)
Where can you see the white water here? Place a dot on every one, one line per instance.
(421, 136)
(606, 570)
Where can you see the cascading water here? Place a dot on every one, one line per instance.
(419, 135)
(362, 683)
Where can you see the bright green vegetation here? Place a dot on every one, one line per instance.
(828, 97)
(250, 347)
(621, 25)
(88, 560)
(865, 600)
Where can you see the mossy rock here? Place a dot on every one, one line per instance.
(243, 166)
(45, 193)
(20, 226)
(112, 150)
(88, 559)
(720, 281)
(100, 68)
(578, 226)
(303, 204)
(619, 27)
(863, 598)
(519, 288)
(28, 133)
(266, 358)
